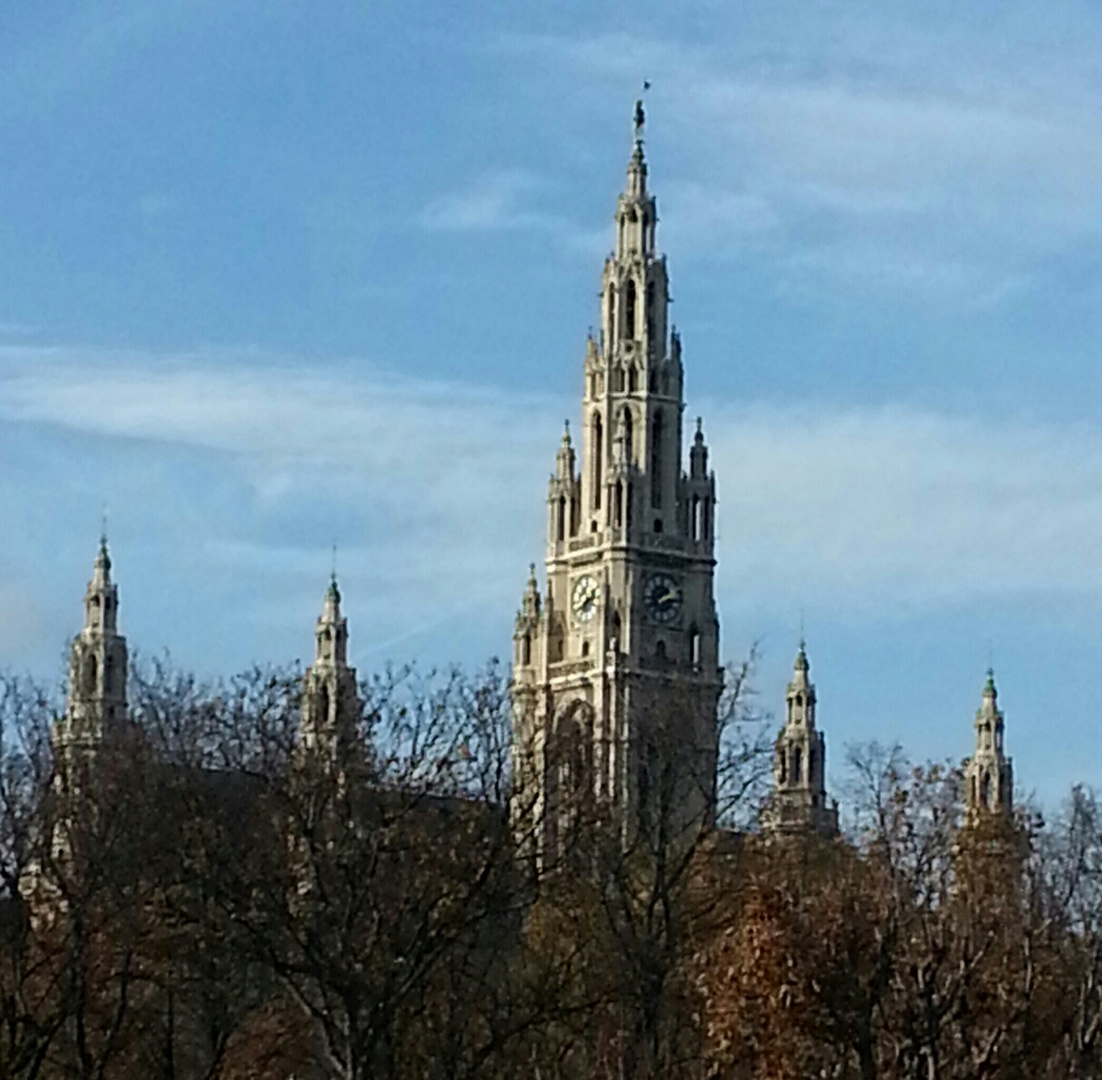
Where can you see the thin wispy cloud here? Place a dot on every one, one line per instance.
(919, 168)
(877, 506)
(496, 201)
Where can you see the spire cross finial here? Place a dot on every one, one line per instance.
(333, 566)
(103, 528)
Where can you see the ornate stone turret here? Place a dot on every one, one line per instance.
(98, 670)
(616, 672)
(989, 773)
(799, 800)
(330, 700)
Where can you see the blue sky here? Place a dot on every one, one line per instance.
(277, 273)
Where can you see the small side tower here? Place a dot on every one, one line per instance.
(330, 701)
(989, 773)
(799, 800)
(98, 670)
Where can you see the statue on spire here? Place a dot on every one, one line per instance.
(640, 118)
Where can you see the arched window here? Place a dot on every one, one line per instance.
(656, 461)
(618, 507)
(628, 509)
(617, 380)
(89, 674)
(650, 311)
(632, 379)
(694, 518)
(985, 789)
(560, 525)
(973, 789)
(629, 310)
(598, 458)
(797, 766)
(526, 650)
(705, 524)
(782, 758)
(323, 704)
(660, 650)
(614, 644)
(811, 765)
(629, 434)
(694, 647)
(585, 648)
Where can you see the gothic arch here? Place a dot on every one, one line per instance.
(89, 674)
(569, 759)
(628, 427)
(598, 458)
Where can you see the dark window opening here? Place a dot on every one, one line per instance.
(656, 462)
(598, 458)
(629, 310)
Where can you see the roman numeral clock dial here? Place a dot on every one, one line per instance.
(583, 599)
(662, 598)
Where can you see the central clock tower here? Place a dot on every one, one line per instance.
(616, 676)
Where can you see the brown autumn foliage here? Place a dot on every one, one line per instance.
(210, 906)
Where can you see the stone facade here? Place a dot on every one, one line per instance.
(616, 666)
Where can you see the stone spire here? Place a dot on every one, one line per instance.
(989, 773)
(799, 800)
(98, 668)
(625, 635)
(330, 700)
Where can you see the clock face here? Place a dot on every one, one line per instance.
(583, 599)
(662, 598)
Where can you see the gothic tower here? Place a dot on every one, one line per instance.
(799, 800)
(989, 773)
(330, 701)
(616, 667)
(98, 665)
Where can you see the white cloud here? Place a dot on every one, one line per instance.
(863, 509)
(495, 201)
(927, 164)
